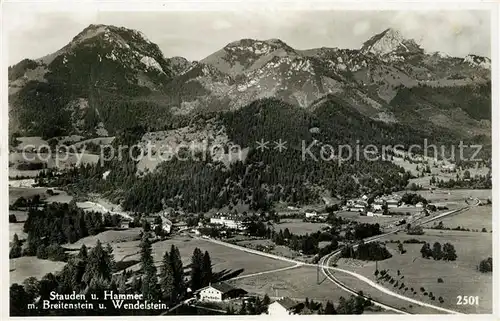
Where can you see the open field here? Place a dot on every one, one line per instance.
(96, 141)
(382, 221)
(21, 216)
(303, 282)
(24, 267)
(460, 276)
(52, 160)
(26, 192)
(280, 250)
(455, 195)
(110, 236)
(17, 228)
(29, 192)
(477, 217)
(297, 226)
(375, 294)
(299, 282)
(223, 258)
(26, 142)
(436, 170)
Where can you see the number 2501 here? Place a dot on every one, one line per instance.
(467, 300)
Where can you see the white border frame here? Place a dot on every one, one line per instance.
(225, 5)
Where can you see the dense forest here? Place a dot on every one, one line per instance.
(264, 177)
(475, 100)
(59, 223)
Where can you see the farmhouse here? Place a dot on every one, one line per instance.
(219, 292)
(311, 214)
(392, 203)
(358, 207)
(124, 223)
(377, 207)
(229, 221)
(419, 205)
(283, 306)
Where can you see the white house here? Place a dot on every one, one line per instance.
(311, 214)
(282, 307)
(392, 203)
(219, 292)
(377, 207)
(358, 207)
(419, 205)
(124, 223)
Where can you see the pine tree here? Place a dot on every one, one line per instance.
(150, 281)
(178, 274)
(83, 254)
(266, 301)
(18, 300)
(437, 253)
(122, 282)
(16, 249)
(426, 251)
(449, 252)
(166, 278)
(32, 287)
(97, 264)
(196, 269)
(329, 308)
(206, 269)
(110, 257)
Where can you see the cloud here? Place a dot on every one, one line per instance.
(361, 27)
(196, 34)
(221, 24)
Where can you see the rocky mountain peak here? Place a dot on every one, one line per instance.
(478, 61)
(390, 41)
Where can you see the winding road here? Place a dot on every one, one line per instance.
(327, 269)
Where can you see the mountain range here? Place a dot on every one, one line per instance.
(111, 81)
(110, 78)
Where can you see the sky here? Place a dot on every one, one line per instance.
(195, 35)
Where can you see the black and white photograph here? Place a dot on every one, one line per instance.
(233, 159)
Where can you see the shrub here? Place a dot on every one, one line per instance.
(415, 230)
(486, 265)
(441, 300)
(484, 230)
(440, 280)
(422, 289)
(426, 294)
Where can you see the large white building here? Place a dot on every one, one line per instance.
(282, 307)
(227, 221)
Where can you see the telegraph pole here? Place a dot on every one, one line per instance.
(317, 273)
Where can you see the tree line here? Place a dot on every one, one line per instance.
(446, 252)
(373, 251)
